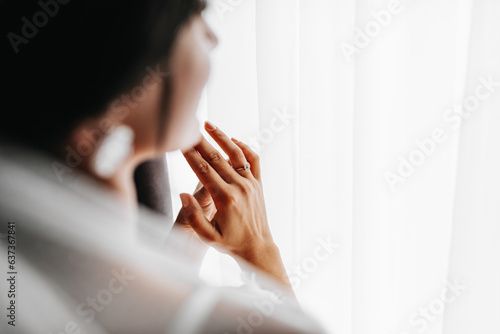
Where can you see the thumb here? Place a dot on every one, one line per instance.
(195, 217)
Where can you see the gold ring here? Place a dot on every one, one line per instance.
(246, 167)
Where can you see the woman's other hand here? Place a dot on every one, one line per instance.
(205, 201)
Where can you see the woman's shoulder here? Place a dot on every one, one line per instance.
(78, 251)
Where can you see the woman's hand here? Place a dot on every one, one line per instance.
(240, 224)
(195, 248)
(202, 196)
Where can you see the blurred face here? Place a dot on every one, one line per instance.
(188, 68)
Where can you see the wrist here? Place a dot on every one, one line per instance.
(259, 252)
(267, 258)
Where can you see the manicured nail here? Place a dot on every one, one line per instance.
(235, 140)
(184, 200)
(210, 126)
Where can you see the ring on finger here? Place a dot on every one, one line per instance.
(246, 167)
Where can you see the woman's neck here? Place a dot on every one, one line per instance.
(122, 184)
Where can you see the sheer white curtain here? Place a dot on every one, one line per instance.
(377, 124)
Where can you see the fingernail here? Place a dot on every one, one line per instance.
(235, 140)
(210, 126)
(184, 200)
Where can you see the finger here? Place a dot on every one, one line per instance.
(203, 197)
(198, 186)
(206, 202)
(232, 150)
(205, 173)
(252, 157)
(216, 160)
(195, 217)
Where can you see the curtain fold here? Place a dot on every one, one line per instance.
(475, 247)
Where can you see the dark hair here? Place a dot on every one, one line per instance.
(64, 61)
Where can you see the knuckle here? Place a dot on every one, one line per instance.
(214, 190)
(238, 154)
(215, 156)
(230, 200)
(203, 167)
(191, 150)
(246, 187)
(219, 134)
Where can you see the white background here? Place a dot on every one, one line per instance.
(356, 119)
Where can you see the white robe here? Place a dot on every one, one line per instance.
(85, 263)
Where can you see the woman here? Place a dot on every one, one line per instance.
(95, 89)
